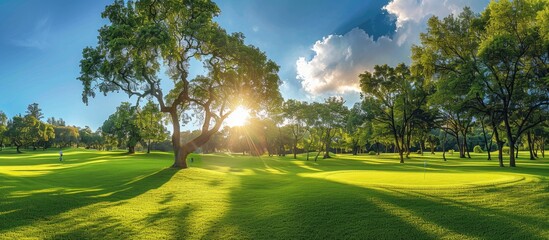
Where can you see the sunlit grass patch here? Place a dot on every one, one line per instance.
(113, 195)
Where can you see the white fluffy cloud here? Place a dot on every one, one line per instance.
(416, 10)
(339, 59)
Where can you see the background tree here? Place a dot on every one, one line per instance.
(355, 120)
(501, 57)
(394, 98)
(56, 122)
(293, 112)
(86, 136)
(23, 131)
(66, 136)
(3, 128)
(35, 111)
(146, 36)
(149, 121)
(46, 135)
(332, 116)
(123, 125)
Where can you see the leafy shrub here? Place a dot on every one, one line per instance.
(418, 152)
(451, 151)
(505, 150)
(477, 149)
(372, 152)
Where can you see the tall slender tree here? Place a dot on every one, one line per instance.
(35, 111)
(395, 98)
(3, 128)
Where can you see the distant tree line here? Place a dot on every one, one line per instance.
(128, 127)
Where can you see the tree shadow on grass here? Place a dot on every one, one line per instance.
(39, 204)
(487, 222)
(317, 208)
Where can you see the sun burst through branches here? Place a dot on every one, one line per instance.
(239, 117)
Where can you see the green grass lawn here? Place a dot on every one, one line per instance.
(112, 195)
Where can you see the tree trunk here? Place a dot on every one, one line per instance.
(500, 146)
(401, 150)
(530, 145)
(131, 149)
(466, 144)
(149, 147)
(460, 146)
(510, 138)
(486, 139)
(318, 153)
(432, 146)
(18, 146)
(500, 152)
(444, 146)
(327, 144)
(355, 147)
(542, 147)
(422, 146)
(516, 151)
(295, 150)
(180, 159)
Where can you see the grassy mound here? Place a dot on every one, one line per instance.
(112, 195)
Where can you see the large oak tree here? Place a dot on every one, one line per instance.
(147, 37)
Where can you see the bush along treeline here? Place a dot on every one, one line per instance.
(129, 127)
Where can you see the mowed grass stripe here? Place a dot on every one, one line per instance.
(112, 195)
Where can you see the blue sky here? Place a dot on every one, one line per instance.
(321, 46)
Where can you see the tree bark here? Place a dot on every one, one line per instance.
(180, 159)
(327, 144)
(460, 146)
(131, 149)
(531, 145)
(542, 147)
(488, 148)
(510, 137)
(294, 149)
(444, 145)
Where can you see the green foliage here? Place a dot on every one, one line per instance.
(3, 128)
(123, 124)
(150, 123)
(489, 63)
(144, 36)
(35, 111)
(66, 136)
(394, 97)
(505, 150)
(477, 149)
(27, 131)
(451, 151)
(372, 152)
